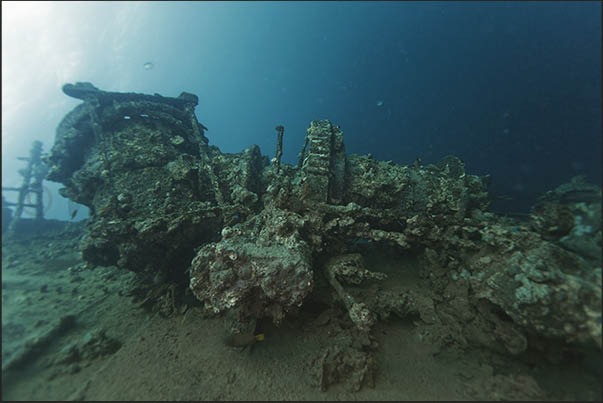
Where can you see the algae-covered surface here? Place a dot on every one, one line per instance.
(112, 348)
(204, 275)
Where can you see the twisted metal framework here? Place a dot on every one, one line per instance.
(33, 176)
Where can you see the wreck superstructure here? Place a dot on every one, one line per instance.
(255, 239)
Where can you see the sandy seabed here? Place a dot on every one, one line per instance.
(183, 357)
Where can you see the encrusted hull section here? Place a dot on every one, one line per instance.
(258, 239)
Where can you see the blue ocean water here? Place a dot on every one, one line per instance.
(512, 88)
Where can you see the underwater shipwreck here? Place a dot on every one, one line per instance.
(257, 240)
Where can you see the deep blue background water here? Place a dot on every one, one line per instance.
(512, 88)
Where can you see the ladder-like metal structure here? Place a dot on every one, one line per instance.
(33, 176)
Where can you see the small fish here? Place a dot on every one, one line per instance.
(73, 214)
(581, 195)
(103, 210)
(417, 162)
(499, 197)
(243, 339)
(148, 65)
